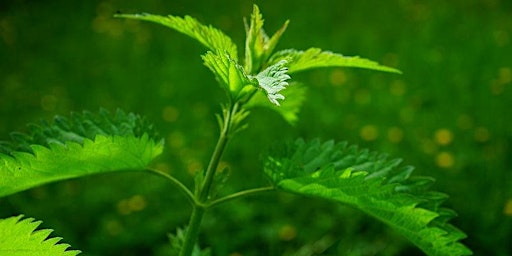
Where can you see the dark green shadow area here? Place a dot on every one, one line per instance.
(448, 115)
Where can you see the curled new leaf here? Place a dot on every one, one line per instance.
(81, 145)
(258, 46)
(229, 74)
(372, 183)
(20, 238)
(273, 80)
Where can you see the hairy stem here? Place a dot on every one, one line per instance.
(199, 208)
(217, 153)
(212, 167)
(193, 230)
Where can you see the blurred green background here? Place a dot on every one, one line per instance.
(448, 115)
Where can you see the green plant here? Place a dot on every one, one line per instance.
(97, 143)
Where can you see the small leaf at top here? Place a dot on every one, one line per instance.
(209, 36)
(316, 58)
(81, 145)
(258, 46)
(372, 183)
(19, 238)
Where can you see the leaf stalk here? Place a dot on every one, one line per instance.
(240, 194)
(181, 186)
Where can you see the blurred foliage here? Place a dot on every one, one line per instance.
(448, 115)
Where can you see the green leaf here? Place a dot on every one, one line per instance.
(372, 183)
(289, 109)
(209, 36)
(316, 58)
(229, 74)
(82, 145)
(19, 238)
(178, 240)
(273, 80)
(258, 46)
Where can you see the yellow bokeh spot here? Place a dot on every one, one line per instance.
(103, 23)
(395, 134)
(123, 207)
(507, 210)
(287, 233)
(338, 77)
(170, 114)
(443, 137)
(369, 132)
(134, 204)
(445, 160)
(505, 75)
(482, 134)
(137, 203)
(223, 167)
(193, 166)
(397, 88)
(164, 167)
(114, 228)
(176, 139)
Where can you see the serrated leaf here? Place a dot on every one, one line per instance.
(82, 145)
(229, 74)
(316, 58)
(289, 109)
(209, 36)
(19, 238)
(273, 80)
(258, 46)
(372, 183)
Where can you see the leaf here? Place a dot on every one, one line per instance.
(258, 46)
(289, 109)
(229, 74)
(316, 58)
(209, 36)
(273, 80)
(372, 183)
(178, 240)
(19, 238)
(82, 145)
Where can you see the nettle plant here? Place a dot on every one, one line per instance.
(86, 143)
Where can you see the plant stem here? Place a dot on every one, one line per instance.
(239, 195)
(193, 230)
(199, 207)
(217, 154)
